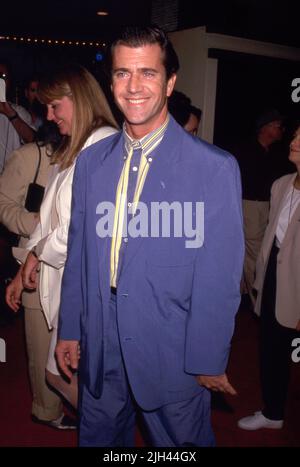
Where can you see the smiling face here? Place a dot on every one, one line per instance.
(140, 87)
(60, 111)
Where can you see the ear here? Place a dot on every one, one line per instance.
(170, 84)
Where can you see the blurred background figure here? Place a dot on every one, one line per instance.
(16, 126)
(28, 163)
(31, 102)
(278, 300)
(259, 164)
(187, 115)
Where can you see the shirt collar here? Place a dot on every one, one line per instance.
(149, 141)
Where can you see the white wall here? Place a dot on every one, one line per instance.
(197, 76)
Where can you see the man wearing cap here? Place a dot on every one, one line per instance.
(258, 160)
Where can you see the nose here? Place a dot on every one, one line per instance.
(134, 84)
(50, 113)
(295, 144)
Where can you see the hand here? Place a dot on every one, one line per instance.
(14, 291)
(217, 383)
(68, 355)
(29, 272)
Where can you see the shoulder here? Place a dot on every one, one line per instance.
(197, 154)
(282, 183)
(99, 134)
(22, 164)
(208, 157)
(28, 152)
(100, 147)
(104, 132)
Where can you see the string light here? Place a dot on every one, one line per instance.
(53, 41)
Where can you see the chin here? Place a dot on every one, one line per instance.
(135, 121)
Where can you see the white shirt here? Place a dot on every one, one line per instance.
(291, 202)
(9, 137)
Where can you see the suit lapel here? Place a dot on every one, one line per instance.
(291, 227)
(105, 174)
(280, 199)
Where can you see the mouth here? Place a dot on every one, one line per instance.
(136, 101)
(295, 150)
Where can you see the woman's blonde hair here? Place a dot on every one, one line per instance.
(90, 108)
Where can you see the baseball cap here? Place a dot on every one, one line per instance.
(268, 116)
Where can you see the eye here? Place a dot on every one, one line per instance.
(54, 105)
(149, 74)
(121, 74)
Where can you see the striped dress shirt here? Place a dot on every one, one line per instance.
(137, 161)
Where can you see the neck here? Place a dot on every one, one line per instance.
(139, 131)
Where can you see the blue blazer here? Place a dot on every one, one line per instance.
(175, 305)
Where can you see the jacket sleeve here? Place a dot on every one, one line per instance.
(217, 275)
(13, 190)
(52, 249)
(71, 304)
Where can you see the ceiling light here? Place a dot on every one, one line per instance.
(102, 13)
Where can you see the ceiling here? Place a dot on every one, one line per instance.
(71, 18)
(269, 20)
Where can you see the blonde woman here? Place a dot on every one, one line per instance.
(79, 108)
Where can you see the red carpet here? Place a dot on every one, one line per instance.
(17, 429)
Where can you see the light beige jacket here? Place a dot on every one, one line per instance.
(287, 309)
(19, 172)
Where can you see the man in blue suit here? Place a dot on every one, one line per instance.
(155, 254)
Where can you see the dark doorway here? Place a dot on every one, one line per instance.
(248, 84)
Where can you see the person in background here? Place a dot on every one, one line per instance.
(258, 161)
(32, 104)
(16, 126)
(77, 105)
(153, 316)
(278, 300)
(31, 161)
(186, 114)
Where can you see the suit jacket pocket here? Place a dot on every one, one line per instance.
(171, 287)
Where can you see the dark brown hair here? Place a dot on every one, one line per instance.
(137, 36)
